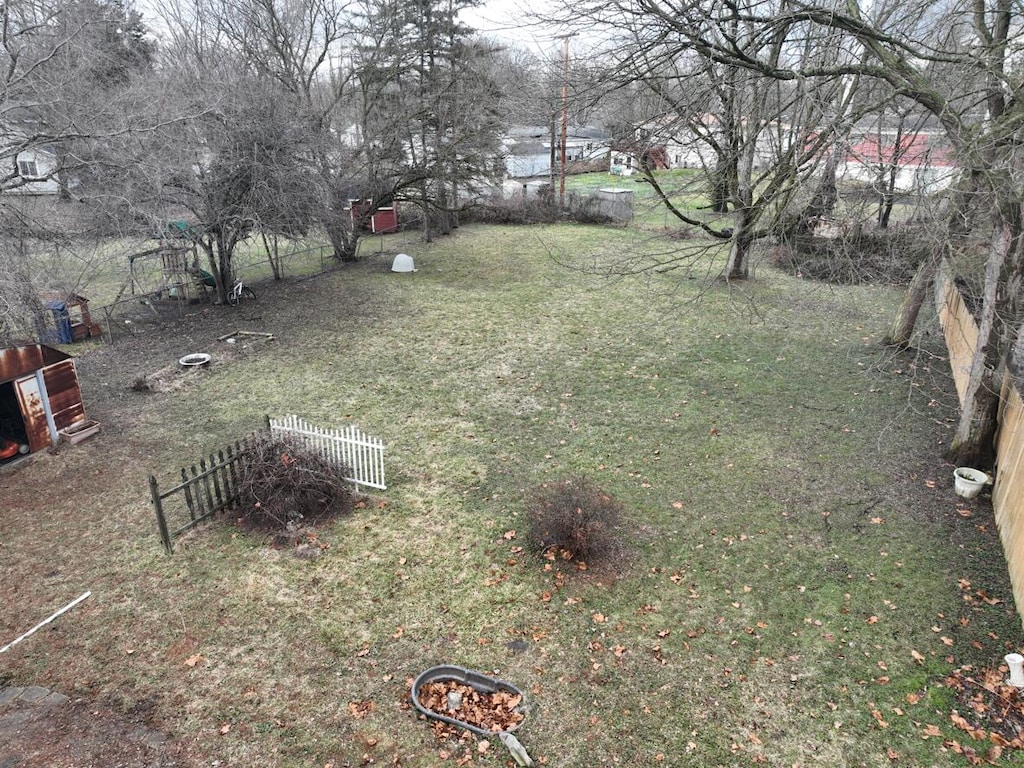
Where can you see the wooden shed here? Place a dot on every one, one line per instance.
(381, 221)
(40, 400)
(70, 318)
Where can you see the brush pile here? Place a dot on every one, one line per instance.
(282, 484)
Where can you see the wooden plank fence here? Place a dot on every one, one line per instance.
(348, 447)
(211, 486)
(961, 332)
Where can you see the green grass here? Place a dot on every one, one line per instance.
(795, 538)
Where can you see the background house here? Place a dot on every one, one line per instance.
(670, 141)
(527, 149)
(922, 162)
(36, 163)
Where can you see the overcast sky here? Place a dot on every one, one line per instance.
(509, 21)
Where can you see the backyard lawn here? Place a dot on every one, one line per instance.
(801, 577)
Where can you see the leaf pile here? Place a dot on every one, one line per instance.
(990, 710)
(492, 712)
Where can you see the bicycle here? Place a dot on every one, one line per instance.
(240, 291)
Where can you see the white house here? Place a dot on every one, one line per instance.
(26, 168)
(527, 149)
(922, 161)
(669, 141)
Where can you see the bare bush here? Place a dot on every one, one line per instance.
(885, 257)
(575, 520)
(542, 208)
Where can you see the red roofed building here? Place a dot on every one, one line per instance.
(921, 162)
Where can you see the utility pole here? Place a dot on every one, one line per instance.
(565, 113)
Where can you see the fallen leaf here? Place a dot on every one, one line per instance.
(871, 620)
(509, 535)
(598, 618)
(917, 656)
(225, 728)
(192, 661)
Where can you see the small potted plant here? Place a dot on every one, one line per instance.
(969, 482)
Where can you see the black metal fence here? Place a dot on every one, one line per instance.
(205, 489)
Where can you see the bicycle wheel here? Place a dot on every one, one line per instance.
(247, 293)
(232, 297)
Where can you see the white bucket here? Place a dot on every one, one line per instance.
(403, 263)
(969, 482)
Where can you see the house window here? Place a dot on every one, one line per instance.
(28, 169)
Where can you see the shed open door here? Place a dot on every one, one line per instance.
(31, 401)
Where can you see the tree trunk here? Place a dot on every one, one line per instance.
(342, 232)
(444, 224)
(888, 199)
(738, 267)
(974, 442)
(958, 221)
(917, 292)
(723, 182)
(425, 205)
(272, 254)
(63, 190)
(822, 202)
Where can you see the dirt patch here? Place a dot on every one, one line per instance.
(59, 733)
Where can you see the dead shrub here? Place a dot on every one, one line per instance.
(541, 209)
(882, 257)
(282, 485)
(573, 519)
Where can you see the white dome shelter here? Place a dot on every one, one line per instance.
(403, 263)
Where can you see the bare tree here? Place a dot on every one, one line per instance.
(762, 136)
(951, 58)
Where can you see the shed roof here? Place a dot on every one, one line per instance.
(24, 359)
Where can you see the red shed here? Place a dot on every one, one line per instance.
(40, 400)
(383, 220)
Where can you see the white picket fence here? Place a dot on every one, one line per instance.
(347, 447)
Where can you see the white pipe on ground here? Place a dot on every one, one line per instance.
(46, 621)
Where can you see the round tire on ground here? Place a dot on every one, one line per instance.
(248, 293)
